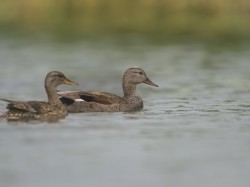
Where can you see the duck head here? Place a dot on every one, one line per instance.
(137, 76)
(56, 78)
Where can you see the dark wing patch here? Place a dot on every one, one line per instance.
(105, 98)
(87, 98)
(96, 97)
(66, 101)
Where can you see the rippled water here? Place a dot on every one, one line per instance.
(194, 129)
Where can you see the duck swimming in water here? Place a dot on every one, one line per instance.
(52, 110)
(89, 101)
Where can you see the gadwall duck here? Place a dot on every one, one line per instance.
(81, 101)
(52, 110)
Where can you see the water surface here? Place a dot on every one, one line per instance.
(194, 129)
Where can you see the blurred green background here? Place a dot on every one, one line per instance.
(195, 128)
(169, 19)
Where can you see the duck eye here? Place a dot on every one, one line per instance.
(140, 72)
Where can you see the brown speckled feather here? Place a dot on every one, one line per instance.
(82, 101)
(34, 110)
(52, 110)
(91, 96)
(19, 105)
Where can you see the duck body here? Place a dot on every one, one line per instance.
(52, 110)
(99, 102)
(34, 110)
(91, 101)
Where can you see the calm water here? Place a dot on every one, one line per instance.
(194, 129)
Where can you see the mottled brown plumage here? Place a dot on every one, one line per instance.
(107, 102)
(52, 110)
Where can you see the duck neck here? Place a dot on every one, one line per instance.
(52, 94)
(129, 89)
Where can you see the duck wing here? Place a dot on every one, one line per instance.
(20, 105)
(28, 106)
(90, 96)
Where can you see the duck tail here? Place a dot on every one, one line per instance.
(6, 100)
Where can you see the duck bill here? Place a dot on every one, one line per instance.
(149, 82)
(69, 82)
